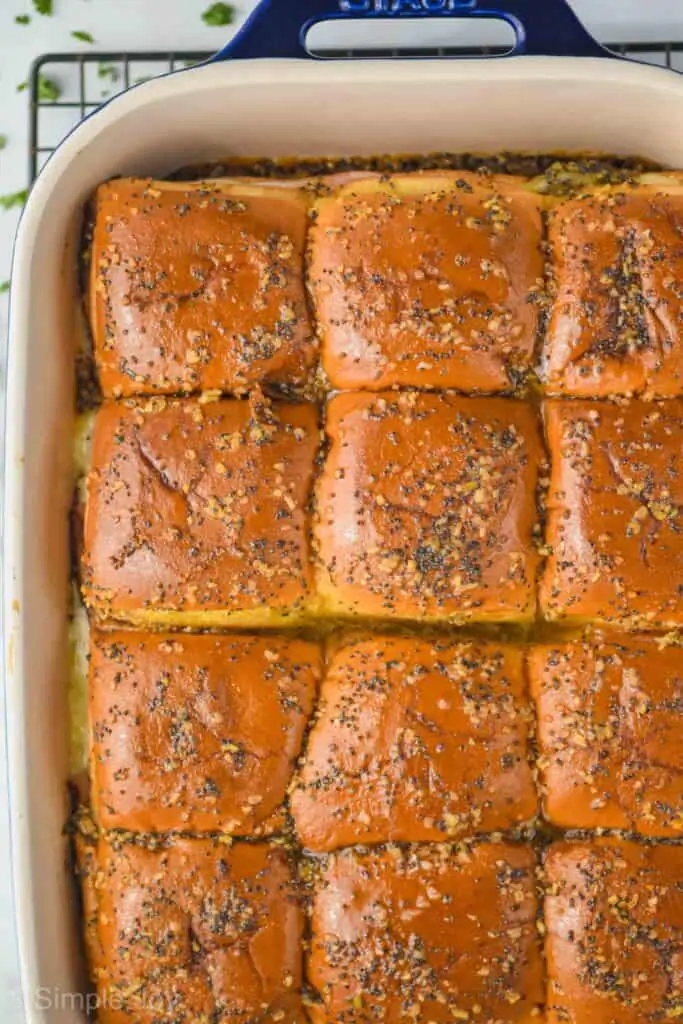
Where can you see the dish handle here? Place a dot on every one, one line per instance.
(278, 28)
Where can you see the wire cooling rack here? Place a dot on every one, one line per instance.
(86, 80)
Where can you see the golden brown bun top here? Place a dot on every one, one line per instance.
(197, 930)
(426, 933)
(616, 326)
(197, 733)
(416, 740)
(428, 280)
(614, 919)
(199, 285)
(615, 512)
(427, 506)
(194, 506)
(609, 733)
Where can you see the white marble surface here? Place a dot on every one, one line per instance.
(163, 25)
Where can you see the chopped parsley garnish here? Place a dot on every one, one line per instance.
(48, 91)
(83, 37)
(3, 141)
(22, 87)
(43, 7)
(219, 14)
(13, 199)
(22, 19)
(4, 287)
(109, 71)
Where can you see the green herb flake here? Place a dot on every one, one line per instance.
(13, 199)
(48, 91)
(22, 87)
(109, 71)
(4, 287)
(22, 19)
(43, 7)
(3, 142)
(83, 37)
(219, 14)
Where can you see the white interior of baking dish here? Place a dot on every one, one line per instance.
(260, 108)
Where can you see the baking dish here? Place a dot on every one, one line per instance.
(260, 96)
